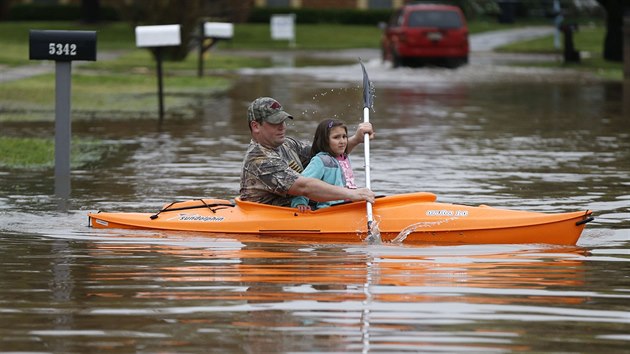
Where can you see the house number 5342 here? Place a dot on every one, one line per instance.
(62, 49)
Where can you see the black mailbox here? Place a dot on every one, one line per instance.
(62, 45)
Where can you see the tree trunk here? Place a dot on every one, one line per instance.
(4, 9)
(90, 11)
(613, 43)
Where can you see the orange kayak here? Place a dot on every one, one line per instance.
(409, 218)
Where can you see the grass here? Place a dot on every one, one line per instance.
(137, 61)
(35, 153)
(588, 40)
(104, 96)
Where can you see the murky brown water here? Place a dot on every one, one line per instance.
(532, 144)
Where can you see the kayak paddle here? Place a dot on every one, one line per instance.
(368, 91)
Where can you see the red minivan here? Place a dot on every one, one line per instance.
(426, 33)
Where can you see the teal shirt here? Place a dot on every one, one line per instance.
(326, 168)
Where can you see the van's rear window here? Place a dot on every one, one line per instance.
(440, 19)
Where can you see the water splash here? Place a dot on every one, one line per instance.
(413, 227)
(374, 234)
(372, 93)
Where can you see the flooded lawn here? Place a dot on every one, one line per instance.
(519, 139)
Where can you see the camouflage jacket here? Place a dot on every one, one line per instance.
(269, 173)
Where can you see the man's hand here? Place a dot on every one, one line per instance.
(362, 194)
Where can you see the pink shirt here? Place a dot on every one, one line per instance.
(346, 169)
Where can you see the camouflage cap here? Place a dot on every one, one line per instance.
(267, 109)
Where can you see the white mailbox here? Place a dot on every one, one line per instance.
(158, 36)
(223, 30)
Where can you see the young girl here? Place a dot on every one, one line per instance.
(329, 161)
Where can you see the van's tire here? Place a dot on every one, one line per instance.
(464, 60)
(456, 62)
(384, 56)
(396, 60)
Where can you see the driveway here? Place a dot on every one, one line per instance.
(488, 41)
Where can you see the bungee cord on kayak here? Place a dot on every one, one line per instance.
(203, 204)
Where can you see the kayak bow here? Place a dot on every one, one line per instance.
(416, 216)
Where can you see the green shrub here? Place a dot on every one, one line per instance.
(42, 12)
(337, 16)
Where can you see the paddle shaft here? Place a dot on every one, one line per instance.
(366, 149)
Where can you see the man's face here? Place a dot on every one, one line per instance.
(269, 135)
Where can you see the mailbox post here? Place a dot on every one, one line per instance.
(157, 37)
(63, 47)
(214, 31)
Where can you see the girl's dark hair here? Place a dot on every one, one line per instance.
(320, 141)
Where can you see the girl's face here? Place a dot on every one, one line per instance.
(338, 140)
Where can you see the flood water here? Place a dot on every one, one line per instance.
(503, 137)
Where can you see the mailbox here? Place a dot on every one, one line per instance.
(210, 33)
(62, 45)
(222, 30)
(158, 36)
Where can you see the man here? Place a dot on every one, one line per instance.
(273, 162)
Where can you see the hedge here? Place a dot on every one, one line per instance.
(42, 12)
(338, 16)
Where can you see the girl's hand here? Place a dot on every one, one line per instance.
(359, 136)
(303, 208)
(365, 128)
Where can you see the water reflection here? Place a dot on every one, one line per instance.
(307, 273)
(136, 286)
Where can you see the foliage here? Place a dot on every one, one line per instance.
(319, 16)
(55, 12)
(14, 37)
(188, 14)
(162, 12)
